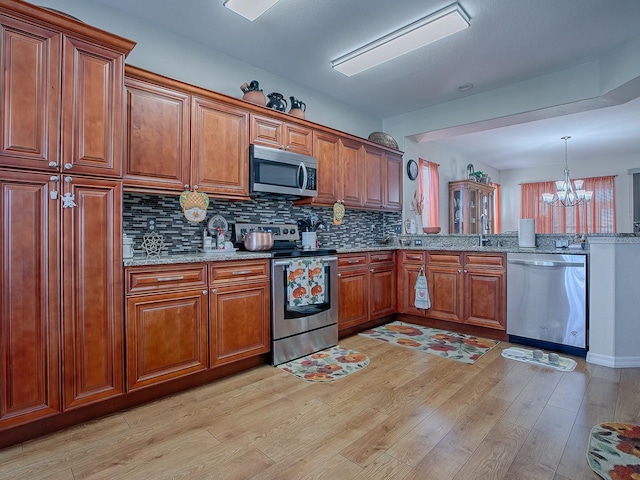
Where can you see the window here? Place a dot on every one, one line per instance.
(596, 216)
(428, 191)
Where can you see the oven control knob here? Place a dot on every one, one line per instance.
(285, 231)
(292, 231)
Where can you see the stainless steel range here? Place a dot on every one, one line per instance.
(304, 293)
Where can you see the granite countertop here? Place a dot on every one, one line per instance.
(454, 248)
(141, 260)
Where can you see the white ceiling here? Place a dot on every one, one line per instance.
(509, 41)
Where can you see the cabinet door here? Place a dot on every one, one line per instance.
(374, 177)
(166, 336)
(326, 148)
(266, 131)
(30, 88)
(92, 109)
(157, 150)
(219, 149)
(485, 299)
(382, 290)
(351, 172)
(29, 299)
(298, 139)
(407, 276)
(393, 184)
(446, 293)
(92, 291)
(353, 296)
(239, 321)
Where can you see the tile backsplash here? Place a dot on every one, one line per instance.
(358, 229)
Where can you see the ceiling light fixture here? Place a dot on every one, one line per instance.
(250, 9)
(433, 27)
(566, 194)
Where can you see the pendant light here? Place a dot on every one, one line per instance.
(568, 193)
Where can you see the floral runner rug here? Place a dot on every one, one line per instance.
(523, 355)
(614, 451)
(327, 365)
(454, 346)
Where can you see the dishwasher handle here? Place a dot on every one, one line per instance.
(545, 263)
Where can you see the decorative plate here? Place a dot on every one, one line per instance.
(383, 139)
(217, 222)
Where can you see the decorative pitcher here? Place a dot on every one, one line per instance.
(410, 226)
(253, 94)
(277, 102)
(297, 108)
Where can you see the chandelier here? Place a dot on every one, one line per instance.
(567, 194)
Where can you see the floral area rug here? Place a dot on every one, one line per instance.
(327, 365)
(455, 346)
(523, 355)
(614, 451)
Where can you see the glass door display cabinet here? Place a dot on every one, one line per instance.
(468, 202)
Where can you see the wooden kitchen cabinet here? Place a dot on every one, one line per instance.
(181, 136)
(276, 133)
(467, 288)
(158, 136)
(239, 310)
(382, 284)
(410, 264)
(468, 201)
(166, 323)
(366, 287)
(353, 290)
(62, 296)
(383, 180)
(62, 99)
(350, 173)
(219, 148)
(30, 272)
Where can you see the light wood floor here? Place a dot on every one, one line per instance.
(408, 415)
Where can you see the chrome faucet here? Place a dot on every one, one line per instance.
(483, 228)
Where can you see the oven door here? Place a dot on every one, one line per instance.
(289, 317)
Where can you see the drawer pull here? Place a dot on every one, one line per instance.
(353, 260)
(241, 272)
(169, 279)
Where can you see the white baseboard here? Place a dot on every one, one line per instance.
(613, 362)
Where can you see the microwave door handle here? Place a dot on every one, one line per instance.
(304, 176)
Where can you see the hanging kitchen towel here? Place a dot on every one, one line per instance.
(297, 283)
(315, 273)
(422, 292)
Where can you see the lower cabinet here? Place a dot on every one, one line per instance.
(366, 287)
(166, 323)
(239, 310)
(410, 264)
(467, 288)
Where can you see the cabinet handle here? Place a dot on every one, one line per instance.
(353, 260)
(68, 166)
(169, 279)
(241, 272)
(214, 290)
(186, 186)
(339, 274)
(205, 292)
(195, 188)
(53, 165)
(459, 271)
(466, 271)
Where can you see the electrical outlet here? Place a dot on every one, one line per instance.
(151, 224)
(397, 229)
(417, 242)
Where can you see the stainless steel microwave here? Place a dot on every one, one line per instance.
(279, 171)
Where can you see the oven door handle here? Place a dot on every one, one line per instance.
(280, 263)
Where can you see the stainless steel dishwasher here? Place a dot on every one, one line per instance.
(547, 301)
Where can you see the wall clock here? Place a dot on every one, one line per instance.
(412, 169)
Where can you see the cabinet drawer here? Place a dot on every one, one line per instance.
(381, 257)
(160, 278)
(349, 261)
(485, 261)
(444, 258)
(412, 257)
(231, 272)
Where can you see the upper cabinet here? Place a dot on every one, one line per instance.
(273, 132)
(57, 80)
(468, 202)
(179, 137)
